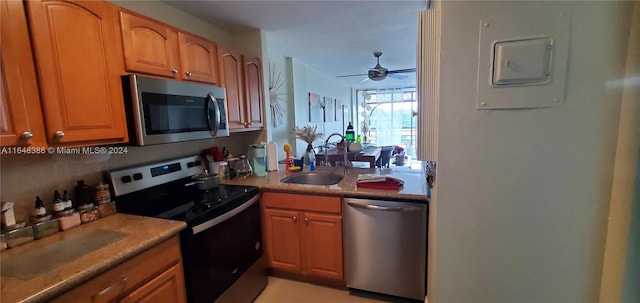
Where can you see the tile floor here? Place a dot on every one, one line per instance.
(288, 291)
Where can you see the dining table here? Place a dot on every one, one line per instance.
(369, 155)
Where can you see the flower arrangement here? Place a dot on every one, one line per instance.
(307, 133)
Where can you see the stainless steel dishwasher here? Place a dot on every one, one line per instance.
(386, 246)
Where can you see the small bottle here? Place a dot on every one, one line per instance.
(312, 160)
(358, 139)
(39, 210)
(83, 194)
(58, 203)
(68, 205)
(350, 134)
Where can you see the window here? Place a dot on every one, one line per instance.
(388, 117)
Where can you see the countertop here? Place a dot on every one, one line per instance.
(414, 177)
(43, 269)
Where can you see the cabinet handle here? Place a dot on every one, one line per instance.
(26, 135)
(174, 71)
(188, 74)
(59, 134)
(121, 283)
(295, 219)
(306, 220)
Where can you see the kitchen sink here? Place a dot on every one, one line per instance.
(313, 178)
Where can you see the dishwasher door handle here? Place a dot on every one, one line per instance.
(383, 208)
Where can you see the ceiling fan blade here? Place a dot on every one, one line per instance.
(351, 75)
(406, 70)
(396, 76)
(364, 79)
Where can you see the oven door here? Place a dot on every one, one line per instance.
(217, 252)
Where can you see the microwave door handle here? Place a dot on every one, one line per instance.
(213, 125)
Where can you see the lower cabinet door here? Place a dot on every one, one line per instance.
(166, 287)
(322, 245)
(282, 239)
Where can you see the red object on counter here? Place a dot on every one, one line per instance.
(389, 183)
(215, 152)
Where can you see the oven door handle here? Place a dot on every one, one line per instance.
(215, 221)
(213, 126)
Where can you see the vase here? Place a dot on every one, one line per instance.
(309, 154)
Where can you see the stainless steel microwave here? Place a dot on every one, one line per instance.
(166, 111)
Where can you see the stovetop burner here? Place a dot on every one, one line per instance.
(201, 205)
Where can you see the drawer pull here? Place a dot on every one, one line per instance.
(107, 290)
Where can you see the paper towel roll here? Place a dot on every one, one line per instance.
(272, 157)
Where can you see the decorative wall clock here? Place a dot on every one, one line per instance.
(276, 97)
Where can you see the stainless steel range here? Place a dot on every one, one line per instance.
(221, 246)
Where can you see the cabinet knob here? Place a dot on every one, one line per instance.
(174, 71)
(59, 134)
(26, 135)
(295, 219)
(306, 220)
(188, 74)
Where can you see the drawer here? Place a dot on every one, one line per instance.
(127, 276)
(302, 202)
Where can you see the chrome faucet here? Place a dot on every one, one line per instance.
(326, 157)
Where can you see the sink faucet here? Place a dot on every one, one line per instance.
(326, 157)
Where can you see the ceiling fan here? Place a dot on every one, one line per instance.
(378, 73)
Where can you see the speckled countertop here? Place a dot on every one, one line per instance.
(43, 269)
(415, 184)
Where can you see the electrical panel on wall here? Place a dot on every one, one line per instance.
(523, 62)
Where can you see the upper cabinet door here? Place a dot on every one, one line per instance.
(198, 59)
(253, 91)
(79, 58)
(230, 67)
(20, 112)
(149, 47)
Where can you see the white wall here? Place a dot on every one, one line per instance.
(523, 195)
(305, 80)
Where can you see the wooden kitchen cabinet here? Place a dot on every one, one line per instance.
(166, 287)
(150, 47)
(21, 122)
(322, 244)
(230, 71)
(242, 78)
(153, 276)
(253, 92)
(303, 234)
(78, 55)
(154, 48)
(198, 59)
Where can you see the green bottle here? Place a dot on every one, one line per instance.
(350, 135)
